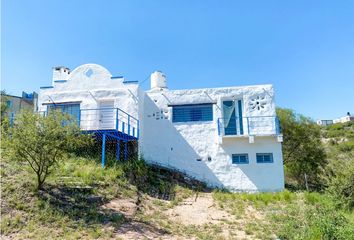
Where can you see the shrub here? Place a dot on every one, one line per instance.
(304, 154)
(43, 142)
(340, 181)
(319, 220)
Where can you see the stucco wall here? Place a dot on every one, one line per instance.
(179, 145)
(193, 147)
(91, 84)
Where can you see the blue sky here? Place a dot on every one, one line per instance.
(304, 48)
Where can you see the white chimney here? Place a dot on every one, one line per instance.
(60, 74)
(158, 80)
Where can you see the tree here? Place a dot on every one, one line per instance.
(3, 103)
(43, 142)
(303, 152)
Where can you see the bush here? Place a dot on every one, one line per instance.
(303, 152)
(43, 142)
(319, 219)
(340, 181)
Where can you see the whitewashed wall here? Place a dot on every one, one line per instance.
(179, 145)
(91, 84)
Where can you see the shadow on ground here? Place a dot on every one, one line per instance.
(162, 183)
(79, 203)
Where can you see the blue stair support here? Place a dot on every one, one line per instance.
(124, 128)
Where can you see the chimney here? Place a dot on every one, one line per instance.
(158, 80)
(60, 73)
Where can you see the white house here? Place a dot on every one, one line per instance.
(226, 137)
(347, 118)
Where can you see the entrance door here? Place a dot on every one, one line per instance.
(107, 115)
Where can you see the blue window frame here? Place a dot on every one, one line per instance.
(71, 109)
(9, 103)
(240, 158)
(264, 157)
(192, 113)
(233, 124)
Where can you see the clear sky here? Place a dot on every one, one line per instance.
(305, 48)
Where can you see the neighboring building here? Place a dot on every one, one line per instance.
(226, 137)
(15, 104)
(347, 118)
(324, 122)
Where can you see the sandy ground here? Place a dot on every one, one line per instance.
(198, 211)
(192, 211)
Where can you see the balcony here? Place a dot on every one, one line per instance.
(109, 120)
(249, 126)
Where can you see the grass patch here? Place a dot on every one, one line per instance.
(70, 204)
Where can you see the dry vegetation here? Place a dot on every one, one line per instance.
(82, 201)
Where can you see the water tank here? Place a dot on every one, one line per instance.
(158, 80)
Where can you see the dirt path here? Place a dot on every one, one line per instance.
(198, 211)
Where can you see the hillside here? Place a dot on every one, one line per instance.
(136, 201)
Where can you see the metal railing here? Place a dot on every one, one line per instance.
(246, 126)
(100, 119)
(108, 119)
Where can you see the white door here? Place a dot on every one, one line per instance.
(107, 115)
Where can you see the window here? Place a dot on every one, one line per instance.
(232, 117)
(192, 113)
(9, 103)
(264, 157)
(240, 158)
(72, 109)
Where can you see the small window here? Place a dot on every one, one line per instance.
(240, 158)
(264, 157)
(9, 103)
(192, 113)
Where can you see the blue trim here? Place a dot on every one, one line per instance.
(240, 116)
(240, 158)
(192, 113)
(117, 122)
(189, 105)
(218, 127)
(117, 77)
(103, 149)
(264, 157)
(60, 81)
(130, 82)
(230, 125)
(46, 87)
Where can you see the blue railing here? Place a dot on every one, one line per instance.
(245, 126)
(101, 119)
(109, 119)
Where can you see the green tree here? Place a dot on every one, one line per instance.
(3, 103)
(43, 142)
(339, 173)
(303, 153)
